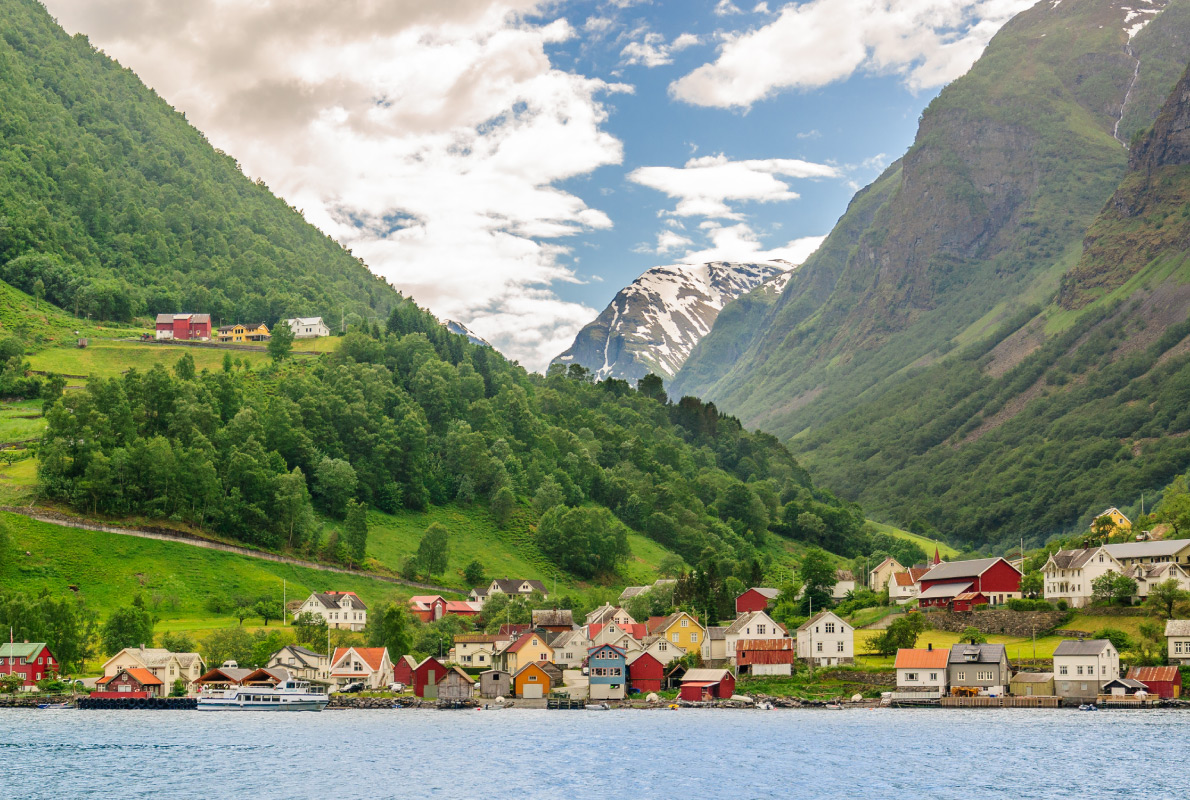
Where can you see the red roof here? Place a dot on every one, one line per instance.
(143, 676)
(653, 622)
(921, 659)
(763, 651)
(637, 630)
(1155, 674)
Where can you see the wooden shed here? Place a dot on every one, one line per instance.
(403, 670)
(1032, 684)
(1165, 682)
(426, 676)
(645, 673)
(495, 683)
(456, 685)
(764, 656)
(707, 684)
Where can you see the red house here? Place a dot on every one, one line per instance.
(707, 684)
(1165, 682)
(427, 674)
(967, 601)
(429, 607)
(184, 327)
(646, 673)
(994, 578)
(31, 660)
(403, 670)
(134, 682)
(755, 599)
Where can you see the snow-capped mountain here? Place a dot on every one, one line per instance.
(460, 329)
(654, 323)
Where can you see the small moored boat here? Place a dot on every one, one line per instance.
(288, 695)
(52, 706)
(1088, 707)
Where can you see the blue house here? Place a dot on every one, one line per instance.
(607, 672)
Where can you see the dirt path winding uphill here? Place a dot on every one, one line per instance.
(166, 535)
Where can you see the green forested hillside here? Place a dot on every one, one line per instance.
(935, 379)
(112, 205)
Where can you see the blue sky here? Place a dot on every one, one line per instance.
(511, 164)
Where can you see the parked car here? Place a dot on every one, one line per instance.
(352, 687)
(396, 687)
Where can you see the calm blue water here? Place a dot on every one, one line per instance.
(688, 753)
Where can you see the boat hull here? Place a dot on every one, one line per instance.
(233, 705)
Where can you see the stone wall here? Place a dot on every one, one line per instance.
(998, 621)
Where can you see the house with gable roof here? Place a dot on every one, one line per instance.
(342, 610)
(995, 578)
(165, 665)
(1177, 641)
(882, 573)
(32, 660)
(128, 682)
(921, 673)
(371, 665)
(1116, 516)
(758, 598)
(519, 586)
(1081, 667)
(826, 640)
(752, 625)
(570, 648)
(978, 668)
(607, 613)
(308, 327)
(302, 663)
(680, 629)
(531, 647)
(607, 673)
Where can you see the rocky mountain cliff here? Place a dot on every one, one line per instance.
(651, 325)
(918, 362)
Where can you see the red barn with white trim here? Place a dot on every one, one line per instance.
(33, 661)
(426, 675)
(994, 578)
(707, 684)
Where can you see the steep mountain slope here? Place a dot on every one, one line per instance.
(459, 329)
(652, 324)
(1012, 165)
(114, 206)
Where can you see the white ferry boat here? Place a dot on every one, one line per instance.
(289, 695)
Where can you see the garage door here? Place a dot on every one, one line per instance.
(532, 691)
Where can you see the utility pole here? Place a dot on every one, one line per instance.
(284, 610)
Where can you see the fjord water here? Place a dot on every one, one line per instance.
(581, 754)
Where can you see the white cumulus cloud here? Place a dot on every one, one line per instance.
(705, 186)
(815, 43)
(740, 243)
(430, 137)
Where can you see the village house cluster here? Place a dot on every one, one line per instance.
(197, 328)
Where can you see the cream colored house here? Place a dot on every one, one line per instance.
(608, 613)
(921, 674)
(879, 577)
(308, 327)
(302, 663)
(1177, 639)
(570, 648)
(825, 640)
(613, 634)
(753, 625)
(714, 644)
(903, 588)
(340, 609)
(476, 649)
(1149, 575)
(1081, 667)
(844, 583)
(661, 649)
(166, 666)
(1070, 574)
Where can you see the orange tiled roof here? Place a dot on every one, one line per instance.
(903, 579)
(922, 659)
(145, 677)
(372, 656)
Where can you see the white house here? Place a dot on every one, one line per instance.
(517, 586)
(662, 649)
(302, 663)
(165, 665)
(1069, 574)
(1177, 638)
(1081, 667)
(752, 625)
(339, 609)
(844, 583)
(902, 588)
(825, 639)
(714, 644)
(608, 613)
(615, 635)
(921, 674)
(371, 665)
(308, 327)
(570, 648)
(476, 649)
(1149, 575)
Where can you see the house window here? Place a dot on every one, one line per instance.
(760, 630)
(1062, 670)
(840, 647)
(910, 677)
(933, 676)
(533, 678)
(820, 647)
(960, 676)
(675, 638)
(830, 627)
(984, 676)
(694, 637)
(1080, 670)
(662, 646)
(685, 623)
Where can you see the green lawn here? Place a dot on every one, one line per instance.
(1091, 623)
(506, 552)
(175, 579)
(109, 358)
(927, 544)
(1017, 647)
(17, 481)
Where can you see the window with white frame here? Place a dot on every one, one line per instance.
(830, 627)
(910, 677)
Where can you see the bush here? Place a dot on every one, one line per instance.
(1063, 605)
(1117, 637)
(1017, 604)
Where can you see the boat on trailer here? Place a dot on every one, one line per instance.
(288, 695)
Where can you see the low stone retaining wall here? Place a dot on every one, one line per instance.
(998, 621)
(31, 699)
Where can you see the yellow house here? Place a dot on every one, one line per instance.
(258, 332)
(529, 649)
(1117, 518)
(680, 629)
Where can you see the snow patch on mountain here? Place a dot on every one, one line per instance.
(653, 324)
(459, 329)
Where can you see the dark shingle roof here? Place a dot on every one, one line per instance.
(1086, 647)
(954, 570)
(984, 653)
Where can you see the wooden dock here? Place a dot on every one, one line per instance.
(1001, 702)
